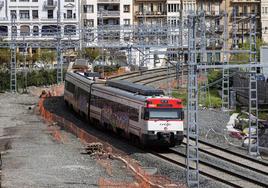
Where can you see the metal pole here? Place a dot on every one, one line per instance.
(225, 72)
(192, 108)
(102, 46)
(59, 52)
(203, 61)
(253, 145)
(25, 71)
(13, 62)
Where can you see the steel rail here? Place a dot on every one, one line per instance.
(212, 171)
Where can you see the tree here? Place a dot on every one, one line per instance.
(36, 57)
(4, 56)
(244, 57)
(91, 53)
(48, 56)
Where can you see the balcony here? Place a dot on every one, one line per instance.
(109, 13)
(243, 15)
(108, 1)
(151, 14)
(49, 19)
(245, 1)
(50, 4)
(213, 13)
(148, 1)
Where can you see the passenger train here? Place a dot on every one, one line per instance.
(140, 113)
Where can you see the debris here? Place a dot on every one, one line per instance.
(95, 148)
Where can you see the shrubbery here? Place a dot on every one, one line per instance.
(34, 78)
(107, 69)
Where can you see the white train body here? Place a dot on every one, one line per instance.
(147, 119)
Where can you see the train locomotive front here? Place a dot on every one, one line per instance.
(163, 119)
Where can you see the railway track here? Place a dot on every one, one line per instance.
(148, 77)
(210, 170)
(139, 73)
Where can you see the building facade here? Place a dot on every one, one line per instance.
(38, 17)
(96, 13)
(264, 20)
(240, 12)
(150, 12)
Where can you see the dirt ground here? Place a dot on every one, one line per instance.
(33, 156)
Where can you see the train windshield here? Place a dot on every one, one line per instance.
(156, 113)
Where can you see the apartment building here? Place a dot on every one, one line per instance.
(239, 13)
(150, 12)
(264, 20)
(96, 13)
(38, 18)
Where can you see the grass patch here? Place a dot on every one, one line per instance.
(214, 75)
(180, 95)
(213, 99)
(263, 115)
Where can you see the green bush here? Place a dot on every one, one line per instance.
(106, 68)
(180, 95)
(34, 78)
(213, 99)
(214, 75)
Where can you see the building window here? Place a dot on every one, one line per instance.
(50, 14)
(69, 30)
(88, 9)
(24, 14)
(24, 30)
(35, 30)
(34, 0)
(141, 8)
(245, 10)
(89, 23)
(266, 10)
(14, 30)
(35, 14)
(69, 0)
(126, 22)
(13, 14)
(126, 8)
(69, 14)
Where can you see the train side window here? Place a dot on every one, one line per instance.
(146, 114)
(70, 87)
(133, 114)
(142, 112)
(182, 115)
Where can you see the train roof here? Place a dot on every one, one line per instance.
(84, 82)
(135, 88)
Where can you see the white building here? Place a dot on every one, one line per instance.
(37, 19)
(264, 20)
(106, 12)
